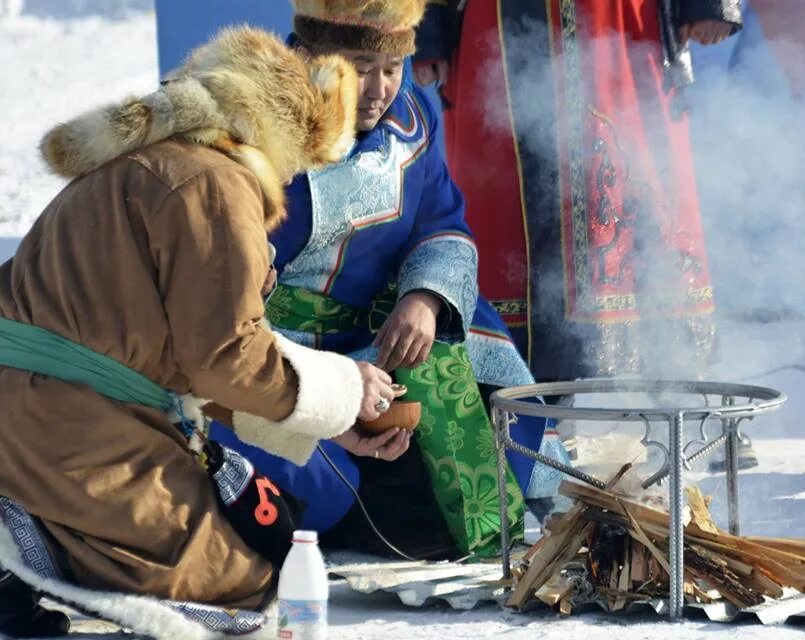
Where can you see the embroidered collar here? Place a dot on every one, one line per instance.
(404, 119)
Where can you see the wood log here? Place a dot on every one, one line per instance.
(700, 514)
(555, 590)
(761, 583)
(592, 496)
(789, 545)
(772, 571)
(625, 576)
(793, 563)
(558, 549)
(741, 570)
(712, 568)
(639, 568)
(658, 558)
(779, 573)
(751, 576)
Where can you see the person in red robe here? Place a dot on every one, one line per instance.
(566, 130)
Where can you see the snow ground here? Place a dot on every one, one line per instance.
(64, 56)
(54, 69)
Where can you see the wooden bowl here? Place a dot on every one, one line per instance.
(404, 414)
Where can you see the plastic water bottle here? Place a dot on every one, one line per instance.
(303, 591)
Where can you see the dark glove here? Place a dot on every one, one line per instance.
(264, 516)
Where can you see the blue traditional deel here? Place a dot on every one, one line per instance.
(388, 207)
(394, 182)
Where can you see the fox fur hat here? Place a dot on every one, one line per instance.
(380, 26)
(244, 93)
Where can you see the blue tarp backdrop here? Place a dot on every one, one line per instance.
(182, 25)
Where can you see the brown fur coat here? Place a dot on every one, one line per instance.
(245, 93)
(155, 256)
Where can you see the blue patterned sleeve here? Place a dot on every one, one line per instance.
(440, 255)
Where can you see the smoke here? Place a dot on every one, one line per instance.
(747, 160)
(746, 157)
(750, 159)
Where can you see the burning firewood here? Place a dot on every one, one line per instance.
(614, 550)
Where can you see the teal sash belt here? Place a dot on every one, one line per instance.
(31, 348)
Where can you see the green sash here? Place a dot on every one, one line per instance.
(31, 348)
(455, 433)
(303, 310)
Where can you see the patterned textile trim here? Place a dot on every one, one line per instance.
(571, 63)
(158, 619)
(416, 120)
(233, 623)
(446, 264)
(702, 299)
(233, 477)
(495, 360)
(510, 307)
(27, 537)
(616, 348)
(339, 210)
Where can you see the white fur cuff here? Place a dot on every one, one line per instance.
(327, 404)
(269, 436)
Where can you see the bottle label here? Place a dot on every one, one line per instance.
(302, 620)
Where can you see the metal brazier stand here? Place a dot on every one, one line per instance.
(719, 414)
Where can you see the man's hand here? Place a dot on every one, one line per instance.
(705, 32)
(407, 335)
(387, 446)
(427, 73)
(376, 385)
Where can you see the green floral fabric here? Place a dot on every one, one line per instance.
(303, 310)
(455, 434)
(458, 445)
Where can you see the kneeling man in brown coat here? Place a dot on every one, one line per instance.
(142, 283)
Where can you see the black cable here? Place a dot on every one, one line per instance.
(354, 491)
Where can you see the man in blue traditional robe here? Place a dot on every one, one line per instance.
(376, 261)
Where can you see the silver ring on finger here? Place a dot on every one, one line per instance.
(382, 405)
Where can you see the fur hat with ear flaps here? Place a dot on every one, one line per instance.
(244, 93)
(380, 26)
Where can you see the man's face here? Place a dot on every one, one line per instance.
(379, 79)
